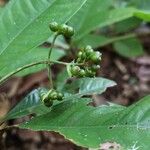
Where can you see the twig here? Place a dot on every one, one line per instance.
(28, 66)
(49, 65)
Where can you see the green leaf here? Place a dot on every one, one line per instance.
(88, 14)
(60, 42)
(129, 47)
(127, 25)
(35, 55)
(144, 15)
(29, 105)
(144, 4)
(96, 16)
(61, 79)
(94, 40)
(24, 26)
(88, 86)
(89, 127)
(38, 54)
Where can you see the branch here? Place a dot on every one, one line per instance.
(28, 66)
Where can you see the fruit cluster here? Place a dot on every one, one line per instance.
(62, 29)
(89, 60)
(49, 97)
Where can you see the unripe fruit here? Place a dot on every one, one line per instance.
(60, 96)
(53, 95)
(98, 53)
(88, 47)
(95, 67)
(90, 73)
(79, 60)
(54, 26)
(66, 30)
(95, 57)
(69, 32)
(82, 73)
(83, 56)
(75, 70)
(48, 103)
(88, 50)
(79, 54)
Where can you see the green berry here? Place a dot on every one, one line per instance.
(79, 54)
(60, 96)
(48, 103)
(83, 56)
(66, 30)
(79, 60)
(95, 67)
(62, 28)
(82, 73)
(88, 47)
(54, 26)
(75, 70)
(98, 53)
(69, 32)
(95, 57)
(53, 95)
(90, 73)
(88, 50)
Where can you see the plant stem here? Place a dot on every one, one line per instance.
(28, 66)
(49, 65)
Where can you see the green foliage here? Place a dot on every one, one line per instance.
(61, 79)
(89, 127)
(119, 16)
(86, 64)
(36, 54)
(31, 104)
(130, 47)
(24, 26)
(101, 19)
(87, 86)
(127, 25)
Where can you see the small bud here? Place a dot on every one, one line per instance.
(60, 96)
(82, 73)
(95, 57)
(69, 32)
(53, 95)
(53, 26)
(79, 54)
(48, 103)
(75, 70)
(66, 30)
(88, 50)
(90, 73)
(95, 67)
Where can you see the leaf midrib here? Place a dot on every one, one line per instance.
(98, 126)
